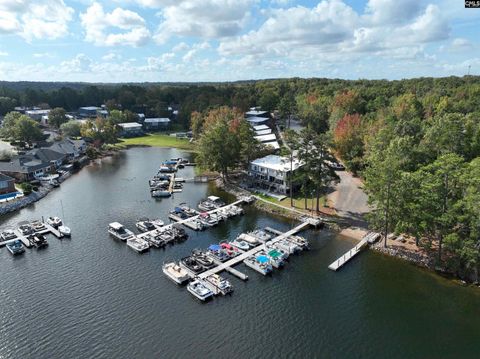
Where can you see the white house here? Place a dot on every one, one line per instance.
(272, 172)
(129, 129)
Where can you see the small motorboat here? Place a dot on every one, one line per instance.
(199, 290)
(55, 222)
(175, 272)
(26, 229)
(276, 258)
(220, 284)
(191, 264)
(138, 244)
(244, 246)
(261, 235)
(251, 240)
(161, 194)
(38, 240)
(145, 225)
(38, 226)
(16, 247)
(202, 259)
(207, 220)
(7, 235)
(65, 231)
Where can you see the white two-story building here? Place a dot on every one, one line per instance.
(271, 173)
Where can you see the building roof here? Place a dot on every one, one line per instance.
(254, 113)
(46, 154)
(67, 146)
(273, 144)
(261, 127)
(157, 120)
(23, 164)
(6, 178)
(37, 112)
(266, 138)
(257, 120)
(263, 132)
(90, 108)
(276, 163)
(130, 125)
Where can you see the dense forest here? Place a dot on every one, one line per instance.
(415, 142)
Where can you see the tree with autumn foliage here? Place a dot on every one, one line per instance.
(348, 102)
(348, 140)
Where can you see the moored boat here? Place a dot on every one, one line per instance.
(251, 240)
(16, 247)
(38, 226)
(65, 231)
(55, 222)
(212, 202)
(138, 244)
(261, 235)
(161, 194)
(259, 263)
(220, 285)
(275, 257)
(176, 273)
(191, 264)
(118, 231)
(26, 229)
(7, 235)
(145, 225)
(199, 290)
(38, 240)
(244, 246)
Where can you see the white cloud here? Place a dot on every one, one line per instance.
(205, 19)
(182, 46)
(41, 19)
(332, 30)
(41, 55)
(96, 23)
(111, 56)
(3, 53)
(80, 63)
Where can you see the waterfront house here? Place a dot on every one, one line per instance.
(272, 173)
(49, 156)
(71, 148)
(7, 184)
(88, 111)
(130, 129)
(26, 167)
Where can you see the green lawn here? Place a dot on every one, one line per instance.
(159, 140)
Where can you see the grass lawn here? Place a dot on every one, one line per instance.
(298, 202)
(159, 140)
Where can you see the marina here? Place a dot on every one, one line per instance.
(103, 286)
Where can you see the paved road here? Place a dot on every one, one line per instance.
(348, 199)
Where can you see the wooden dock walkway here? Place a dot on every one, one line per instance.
(340, 262)
(24, 239)
(183, 221)
(227, 266)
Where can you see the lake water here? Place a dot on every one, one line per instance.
(93, 297)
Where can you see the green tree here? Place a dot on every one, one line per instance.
(57, 117)
(27, 130)
(71, 128)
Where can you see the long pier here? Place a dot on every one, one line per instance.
(227, 266)
(183, 221)
(340, 262)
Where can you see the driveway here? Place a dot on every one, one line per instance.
(348, 198)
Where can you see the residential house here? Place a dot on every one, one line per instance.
(26, 167)
(156, 124)
(88, 111)
(7, 184)
(37, 115)
(71, 148)
(130, 129)
(48, 155)
(257, 113)
(272, 173)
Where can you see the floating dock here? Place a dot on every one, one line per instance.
(24, 239)
(340, 262)
(227, 266)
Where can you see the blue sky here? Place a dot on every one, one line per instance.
(228, 40)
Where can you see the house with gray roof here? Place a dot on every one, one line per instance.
(26, 167)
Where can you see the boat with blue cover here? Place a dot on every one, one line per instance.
(16, 247)
(260, 263)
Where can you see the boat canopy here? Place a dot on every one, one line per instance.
(213, 198)
(116, 226)
(226, 245)
(204, 214)
(215, 247)
(178, 210)
(274, 253)
(170, 162)
(262, 259)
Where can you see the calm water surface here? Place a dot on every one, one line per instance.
(93, 297)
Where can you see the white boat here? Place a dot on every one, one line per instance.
(55, 222)
(207, 219)
(38, 226)
(261, 235)
(175, 272)
(158, 222)
(26, 229)
(7, 235)
(212, 202)
(138, 244)
(235, 210)
(244, 246)
(287, 246)
(199, 290)
(299, 241)
(161, 194)
(145, 225)
(220, 284)
(270, 247)
(259, 263)
(251, 240)
(154, 239)
(119, 231)
(65, 231)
